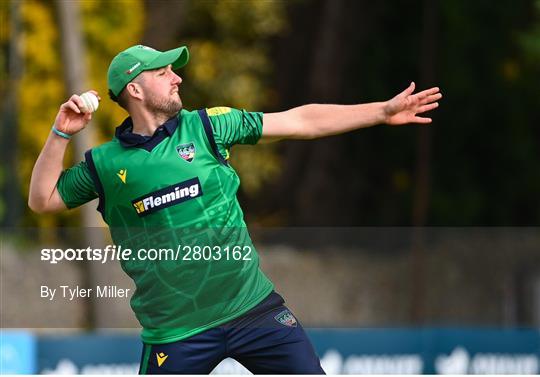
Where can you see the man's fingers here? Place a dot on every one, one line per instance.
(72, 106)
(426, 93)
(430, 98)
(430, 91)
(424, 108)
(410, 89)
(421, 120)
(77, 100)
(95, 93)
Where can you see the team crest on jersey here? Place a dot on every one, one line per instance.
(286, 318)
(186, 151)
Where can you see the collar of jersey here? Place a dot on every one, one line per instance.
(128, 139)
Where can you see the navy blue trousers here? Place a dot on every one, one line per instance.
(266, 340)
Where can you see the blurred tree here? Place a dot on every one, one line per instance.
(529, 42)
(76, 80)
(269, 55)
(486, 142)
(230, 63)
(483, 139)
(10, 203)
(314, 63)
(165, 21)
(109, 27)
(40, 88)
(232, 66)
(322, 157)
(228, 42)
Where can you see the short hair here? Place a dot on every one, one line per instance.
(122, 98)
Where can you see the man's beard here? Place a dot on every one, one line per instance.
(168, 107)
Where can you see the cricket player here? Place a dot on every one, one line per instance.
(164, 181)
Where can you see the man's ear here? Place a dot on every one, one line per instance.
(134, 89)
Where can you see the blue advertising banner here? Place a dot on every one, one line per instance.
(342, 351)
(428, 351)
(17, 353)
(89, 354)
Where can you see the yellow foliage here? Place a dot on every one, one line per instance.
(40, 37)
(255, 167)
(226, 69)
(41, 86)
(258, 18)
(108, 27)
(4, 22)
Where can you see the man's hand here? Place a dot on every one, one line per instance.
(315, 120)
(404, 107)
(70, 119)
(44, 196)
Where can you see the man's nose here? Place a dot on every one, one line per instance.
(176, 79)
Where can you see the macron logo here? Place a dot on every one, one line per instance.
(130, 71)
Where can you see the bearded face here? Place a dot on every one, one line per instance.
(168, 105)
(161, 91)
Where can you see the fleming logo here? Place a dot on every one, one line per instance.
(122, 174)
(161, 357)
(167, 197)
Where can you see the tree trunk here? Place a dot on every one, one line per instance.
(165, 19)
(73, 54)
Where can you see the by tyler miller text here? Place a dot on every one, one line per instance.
(76, 292)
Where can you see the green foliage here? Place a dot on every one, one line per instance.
(484, 167)
(4, 45)
(530, 40)
(2, 183)
(41, 89)
(4, 41)
(107, 27)
(231, 65)
(228, 67)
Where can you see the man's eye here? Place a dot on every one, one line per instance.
(161, 73)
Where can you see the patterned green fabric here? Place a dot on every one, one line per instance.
(179, 194)
(76, 186)
(230, 126)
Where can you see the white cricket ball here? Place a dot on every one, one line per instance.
(90, 102)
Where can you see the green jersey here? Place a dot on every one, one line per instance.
(175, 196)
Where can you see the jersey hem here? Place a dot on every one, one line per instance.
(213, 324)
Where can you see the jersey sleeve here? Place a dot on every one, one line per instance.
(233, 126)
(75, 185)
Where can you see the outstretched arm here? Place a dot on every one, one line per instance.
(312, 121)
(44, 196)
